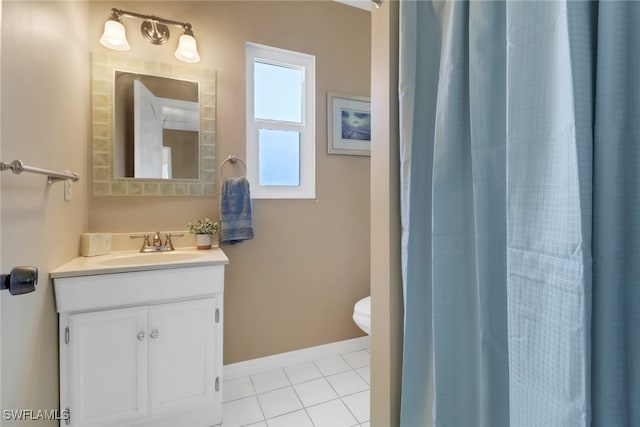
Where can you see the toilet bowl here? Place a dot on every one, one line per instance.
(362, 314)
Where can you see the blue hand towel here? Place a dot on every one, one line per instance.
(235, 210)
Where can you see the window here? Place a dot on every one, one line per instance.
(280, 123)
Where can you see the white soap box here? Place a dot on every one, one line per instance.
(92, 244)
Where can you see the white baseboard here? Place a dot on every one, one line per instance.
(278, 361)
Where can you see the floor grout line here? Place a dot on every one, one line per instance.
(255, 394)
(304, 407)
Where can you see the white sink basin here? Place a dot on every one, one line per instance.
(142, 258)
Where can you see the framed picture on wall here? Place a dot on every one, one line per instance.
(348, 124)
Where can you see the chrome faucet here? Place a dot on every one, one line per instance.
(157, 241)
(154, 244)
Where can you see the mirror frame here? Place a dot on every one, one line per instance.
(104, 66)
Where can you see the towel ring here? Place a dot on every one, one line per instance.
(233, 159)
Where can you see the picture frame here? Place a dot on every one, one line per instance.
(348, 124)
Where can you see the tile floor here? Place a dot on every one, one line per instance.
(329, 392)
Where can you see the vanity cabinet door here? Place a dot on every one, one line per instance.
(182, 357)
(108, 371)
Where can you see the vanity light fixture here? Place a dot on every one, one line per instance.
(154, 29)
(187, 51)
(113, 36)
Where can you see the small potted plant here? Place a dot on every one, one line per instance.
(204, 229)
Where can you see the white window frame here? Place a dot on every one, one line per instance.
(306, 63)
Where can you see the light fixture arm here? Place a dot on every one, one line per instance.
(123, 13)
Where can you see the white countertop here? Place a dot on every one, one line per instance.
(125, 261)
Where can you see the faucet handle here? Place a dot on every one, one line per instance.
(168, 239)
(145, 243)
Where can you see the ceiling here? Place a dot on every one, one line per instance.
(362, 4)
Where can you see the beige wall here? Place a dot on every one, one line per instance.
(45, 123)
(295, 284)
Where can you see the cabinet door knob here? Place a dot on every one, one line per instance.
(154, 333)
(140, 335)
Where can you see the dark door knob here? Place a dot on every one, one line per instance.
(21, 280)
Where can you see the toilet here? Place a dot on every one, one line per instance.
(362, 314)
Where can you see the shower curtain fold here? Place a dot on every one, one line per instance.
(451, 146)
(615, 365)
(504, 183)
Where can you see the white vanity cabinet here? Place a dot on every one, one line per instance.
(142, 347)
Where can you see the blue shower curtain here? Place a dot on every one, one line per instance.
(520, 172)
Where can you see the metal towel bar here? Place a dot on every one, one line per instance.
(18, 167)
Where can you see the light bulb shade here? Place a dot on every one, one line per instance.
(114, 36)
(187, 51)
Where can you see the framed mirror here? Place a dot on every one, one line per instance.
(153, 128)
